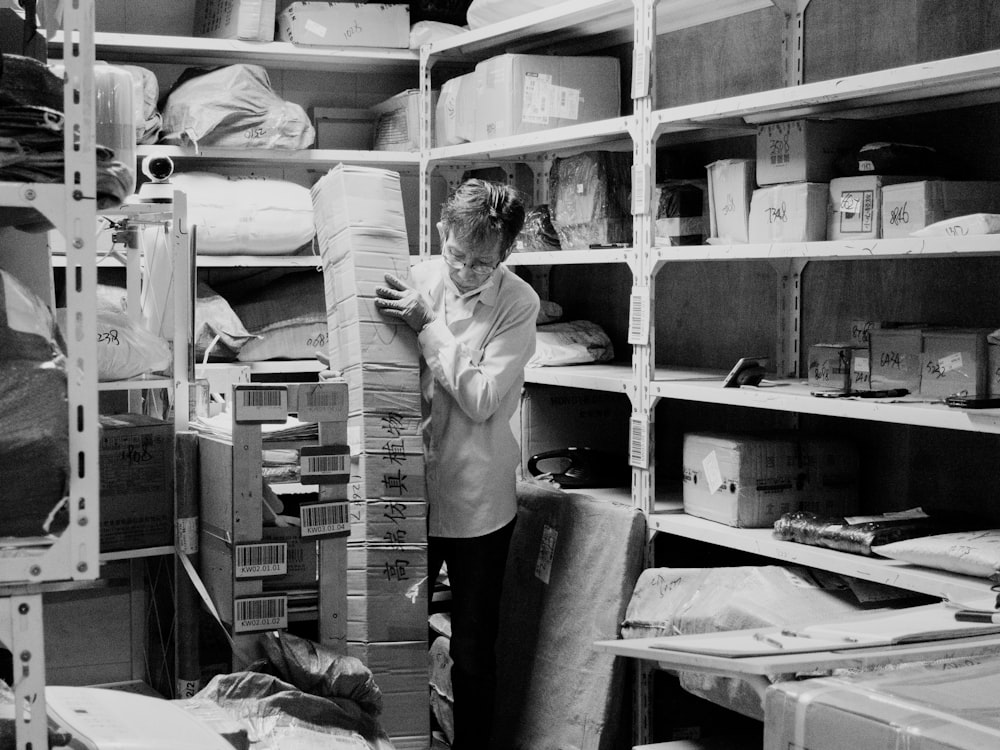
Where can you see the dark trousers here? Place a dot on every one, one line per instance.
(475, 570)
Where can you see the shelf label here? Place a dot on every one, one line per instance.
(325, 464)
(260, 404)
(260, 559)
(640, 200)
(257, 613)
(322, 519)
(638, 454)
(322, 402)
(640, 72)
(638, 316)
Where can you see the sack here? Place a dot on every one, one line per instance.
(573, 343)
(233, 107)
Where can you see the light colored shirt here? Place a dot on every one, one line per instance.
(472, 369)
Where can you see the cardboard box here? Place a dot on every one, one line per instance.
(388, 476)
(137, 482)
(945, 705)
(401, 671)
(397, 121)
(954, 361)
(741, 480)
(386, 593)
(302, 558)
(351, 196)
(343, 128)
(804, 150)
(374, 342)
(359, 259)
(322, 24)
(795, 212)
(910, 206)
(681, 212)
(731, 183)
(552, 417)
(389, 522)
(380, 431)
(861, 368)
(855, 210)
(455, 113)
(830, 365)
(896, 358)
(252, 20)
(518, 94)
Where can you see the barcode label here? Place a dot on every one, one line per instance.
(323, 402)
(325, 518)
(638, 454)
(638, 316)
(260, 404)
(260, 613)
(325, 464)
(640, 201)
(263, 559)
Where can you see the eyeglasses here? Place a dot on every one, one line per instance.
(477, 268)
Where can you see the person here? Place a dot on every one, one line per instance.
(475, 322)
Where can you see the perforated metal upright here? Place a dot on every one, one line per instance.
(40, 564)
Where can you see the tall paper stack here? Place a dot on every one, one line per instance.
(362, 237)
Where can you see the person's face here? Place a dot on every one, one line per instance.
(468, 267)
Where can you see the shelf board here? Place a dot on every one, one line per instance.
(314, 157)
(616, 378)
(260, 261)
(585, 24)
(872, 249)
(571, 257)
(606, 133)
(762, 542)
(910, 85)
(135, 384)
(135, 554)
(794, 396)
(152, 48)
(277, 366)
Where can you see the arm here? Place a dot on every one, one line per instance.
(479, 383)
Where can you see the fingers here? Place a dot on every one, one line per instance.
(396, 283)
(385, 293)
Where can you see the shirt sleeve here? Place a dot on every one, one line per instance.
(478, 380)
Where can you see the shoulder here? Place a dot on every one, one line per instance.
(517, 291)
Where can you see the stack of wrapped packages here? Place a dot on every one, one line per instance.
(362, 237)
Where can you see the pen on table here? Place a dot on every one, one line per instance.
(797, 634)
(974, 615)
(764, 638)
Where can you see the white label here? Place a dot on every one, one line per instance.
(546, 553)
(187, 688)
(951, 362)
(260, 613)
(713, 475)
(638, 454)
(322, 402)
(538, 95)
(861, 364)
(317, 29)
(263, 559)
(325, 518)
(638, 318)
(566, 103)
(325, 468)
(255, 405)
(187, 535)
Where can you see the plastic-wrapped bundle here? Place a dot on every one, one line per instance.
(680, 214)
(34, 427)
(233, 107)
(837, 533)
(591, 199)
(538, 235)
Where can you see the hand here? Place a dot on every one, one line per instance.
(399, 300)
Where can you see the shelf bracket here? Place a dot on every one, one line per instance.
(793, 39)
(789, 296)
(22, 633)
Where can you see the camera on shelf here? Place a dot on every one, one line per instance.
(158, 169)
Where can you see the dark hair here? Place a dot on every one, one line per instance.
(484, 213)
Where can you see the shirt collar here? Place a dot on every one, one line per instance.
(486, 292)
